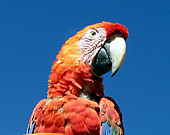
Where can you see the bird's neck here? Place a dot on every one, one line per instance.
(74, 79)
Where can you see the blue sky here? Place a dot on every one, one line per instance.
(32, 32)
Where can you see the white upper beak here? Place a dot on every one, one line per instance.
(117, 52)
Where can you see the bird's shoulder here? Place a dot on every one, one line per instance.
(110, 117)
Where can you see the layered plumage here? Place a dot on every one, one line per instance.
(76, 102)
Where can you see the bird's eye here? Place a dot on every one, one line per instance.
(92, 33)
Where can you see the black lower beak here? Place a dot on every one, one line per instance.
(101, 63)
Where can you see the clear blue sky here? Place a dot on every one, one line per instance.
(32, 32)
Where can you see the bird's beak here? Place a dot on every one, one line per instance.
(110, 56)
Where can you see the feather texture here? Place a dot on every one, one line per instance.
(75, 103)
(69, 114)
(110, 117)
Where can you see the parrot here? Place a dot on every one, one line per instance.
(75, 103)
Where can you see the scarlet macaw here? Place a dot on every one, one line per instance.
(76, 104)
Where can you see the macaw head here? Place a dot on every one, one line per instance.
(103, 47)
(98, 48)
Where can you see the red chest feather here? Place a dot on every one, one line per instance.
(68, 115)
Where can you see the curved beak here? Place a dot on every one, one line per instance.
(110, 56)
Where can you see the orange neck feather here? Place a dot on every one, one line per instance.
(70, 75)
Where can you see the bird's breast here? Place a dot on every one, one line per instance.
(69, 115)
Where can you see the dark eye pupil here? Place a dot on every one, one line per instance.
(93, 33)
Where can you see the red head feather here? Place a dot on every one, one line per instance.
(70, 74)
